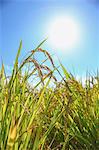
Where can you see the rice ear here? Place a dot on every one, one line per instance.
(38, 67)
(50, 58)
(45, 67)
(46, 53)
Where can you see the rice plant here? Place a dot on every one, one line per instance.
(42, 117)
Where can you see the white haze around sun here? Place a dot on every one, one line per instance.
(64, 34)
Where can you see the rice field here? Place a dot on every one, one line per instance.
(43, 117)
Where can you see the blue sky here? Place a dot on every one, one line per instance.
(29, 20)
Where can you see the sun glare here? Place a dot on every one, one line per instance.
(63, 33)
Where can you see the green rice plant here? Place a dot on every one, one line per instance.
(42, 117)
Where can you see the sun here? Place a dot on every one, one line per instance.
(63, 33)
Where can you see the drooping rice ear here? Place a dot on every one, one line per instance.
(48, 69)
(47, 54)
(37, 66)
(50, 58)
(41, 50)
(45, 67)
(32, 51)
